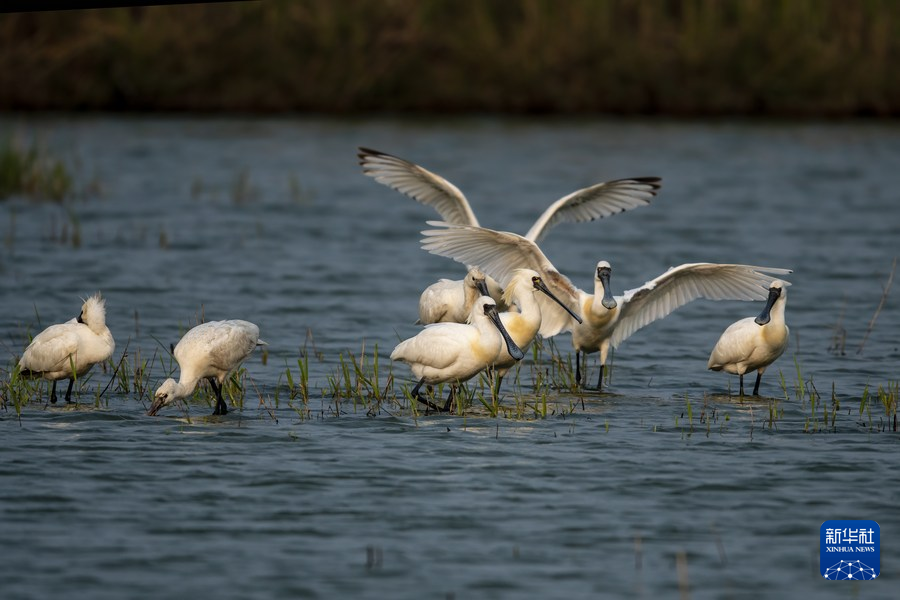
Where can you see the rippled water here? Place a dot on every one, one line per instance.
(661, 486)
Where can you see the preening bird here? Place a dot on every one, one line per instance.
(607, 320)
(754, 343)
(449, 302)
(595, 202)
(69, 350)
(210, 350)
(456, 352)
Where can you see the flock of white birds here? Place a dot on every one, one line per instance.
(597, 319)
(510, 294)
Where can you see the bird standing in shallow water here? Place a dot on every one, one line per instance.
(456, 352)
(211, 351)
(754, 343)
(523, 320)
(607, 320)
(69, 350)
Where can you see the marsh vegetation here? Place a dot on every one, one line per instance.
(691, 57)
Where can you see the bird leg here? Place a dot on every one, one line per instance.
(450, 399)
(221, 407)
(53, 393)
(756, 387)
(415, 393)
(600, 379)
(68, 391)
(742, 384)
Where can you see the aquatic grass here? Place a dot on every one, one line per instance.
(838, 343)
(776, 413)
(298, 193)
(835, 407)
(262, 400)
(800, 387)
(16, 390)
(888, 396)
(31, 173)
(242, 190)
(233, 387)
(864, 406)
(884, 295)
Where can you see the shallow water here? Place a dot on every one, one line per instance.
(663, 485)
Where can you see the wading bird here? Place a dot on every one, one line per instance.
(588, 204)
(448, 302)
(210, 350)
(523, 320)
(607, 320)
(69, 350)
(456, 352)
(754, 343)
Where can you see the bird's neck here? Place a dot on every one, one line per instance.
(522, 327)
(528, 305)
(99, 327)
(776, 315)
(186, 384)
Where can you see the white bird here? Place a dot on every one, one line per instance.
(607, 321)
(594, 202)
(754, 343)
(210, 350)
(456, 352)
(523, 324)
(449, 302)
(69, 350)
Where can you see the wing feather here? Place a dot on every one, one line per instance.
(50, 350)
(500, 254)
(595, 202)
(418, 183)
(680, 285)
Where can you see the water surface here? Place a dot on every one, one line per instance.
(663, 485)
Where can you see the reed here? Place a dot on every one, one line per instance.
(700, 57)
(30, 172)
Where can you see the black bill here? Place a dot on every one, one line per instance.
(491, 311)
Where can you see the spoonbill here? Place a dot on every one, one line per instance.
(456, 352)
(595, 202)
(607, 320)
(210, 350)
(754, 343)
(448, 302)
(69, 350)
(523, 324)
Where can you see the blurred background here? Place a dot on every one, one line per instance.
(199, 161)
(675, 57)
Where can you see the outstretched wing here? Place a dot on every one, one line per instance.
(680, 285)
(418, 183)
(596, 202)
(499, 254)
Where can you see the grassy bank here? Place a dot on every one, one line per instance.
(688, 57)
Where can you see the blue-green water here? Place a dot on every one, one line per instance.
(662, 486)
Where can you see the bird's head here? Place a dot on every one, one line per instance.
(601, 276)
(166, 394)
(93, 313)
